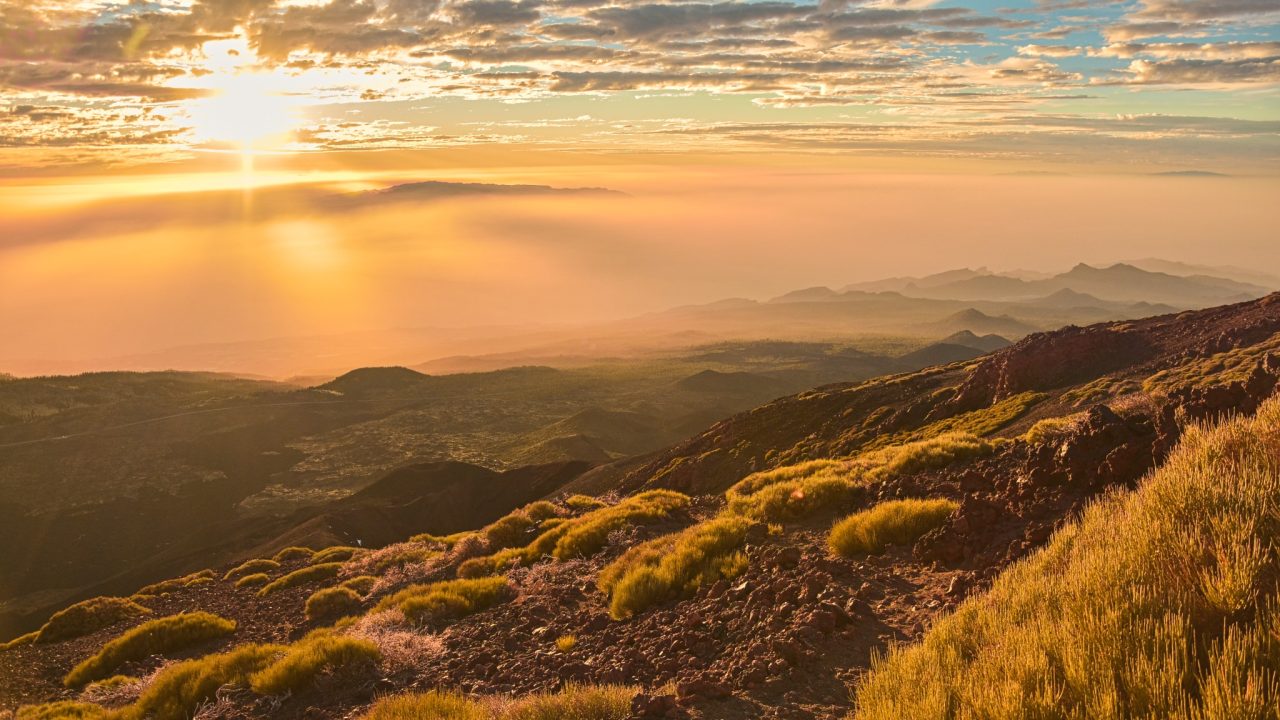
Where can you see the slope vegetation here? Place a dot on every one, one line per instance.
(1160, 602)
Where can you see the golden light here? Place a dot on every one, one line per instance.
(246, 109)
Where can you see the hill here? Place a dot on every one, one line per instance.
(201, 466)
(755, 570)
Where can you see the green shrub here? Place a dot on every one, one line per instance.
(1051, 429)
(307, 657)
(332, 602)
(301, 576)
(165, 587)
(252, 567)
(932, 453)
(1159, 602)
(360, 584)
(795, 491)
(61, 710)
(253, 580)
(293, 553)
(583, 503)
(509, 531)
(587, 534)
(446, 600)
(88, 616)
(446, 541)
(433, 705)
(494, 564)
(154, 637)
(337, 553)
(894, 522)
(674, 565)
(179, 690)
(582, 536)
(541, 511)
(111, 683)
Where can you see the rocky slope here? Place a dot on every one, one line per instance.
(1058, 418)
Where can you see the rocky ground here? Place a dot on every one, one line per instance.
(790, 636)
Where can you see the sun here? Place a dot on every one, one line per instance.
(246, 110)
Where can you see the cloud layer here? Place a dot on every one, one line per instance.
(891, 75)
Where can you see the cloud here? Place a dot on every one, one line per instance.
(96, 61)
(1199, 72)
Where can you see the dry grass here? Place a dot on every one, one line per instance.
(447, 600)
(301, 576)
(154, 637)
(895, 522)
(574, 702)
(377, 562)
(433, 705)
(565, 643)
(674, 565)
(1158, 603)
(360, 584)
(403, 649)
(252, 567)
(61, 710)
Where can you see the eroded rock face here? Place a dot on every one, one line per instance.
(1045, 361)
(1012, 502)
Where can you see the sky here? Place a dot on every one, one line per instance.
(180, 172)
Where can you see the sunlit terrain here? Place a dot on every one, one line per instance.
(608, 360)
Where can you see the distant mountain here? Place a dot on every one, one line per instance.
(980, 323)
(897, 284)
(1271, 281)
(813, 294)
(1119, 283)
(985, 343)
(730, 383)
(366, 381)
(938, 354)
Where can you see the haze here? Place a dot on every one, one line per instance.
(206, 172)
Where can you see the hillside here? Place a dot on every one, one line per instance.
(201, 467)
(754, 570)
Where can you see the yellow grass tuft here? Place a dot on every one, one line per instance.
(301, 576)
(895, 522)
(154, 637)
(674, 565)
(307, 657)
(331, 603)
(446, 600)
